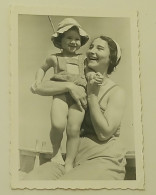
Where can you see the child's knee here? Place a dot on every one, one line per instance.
(73, 131)
(58, 125)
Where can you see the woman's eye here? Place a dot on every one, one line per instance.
(100, 48)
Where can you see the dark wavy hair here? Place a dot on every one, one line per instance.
(113, 54)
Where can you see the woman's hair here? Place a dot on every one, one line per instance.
(61, 35)
(113, 54)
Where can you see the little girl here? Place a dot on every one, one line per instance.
(68, 66)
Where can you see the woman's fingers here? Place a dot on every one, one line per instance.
(99, 80)
(99, 74)
(84, 102)
(79, 95)
(77, 100)
(79, 105)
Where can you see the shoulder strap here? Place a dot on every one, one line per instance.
(57, 66)
(61, 62)
(107, 92)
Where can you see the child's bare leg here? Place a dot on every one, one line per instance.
(59, 112)
(75, 118)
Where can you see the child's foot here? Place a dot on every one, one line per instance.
(58, 159)
(68, 167)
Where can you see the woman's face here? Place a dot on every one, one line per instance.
(98, 55)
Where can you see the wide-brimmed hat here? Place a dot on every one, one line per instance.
(64, 26)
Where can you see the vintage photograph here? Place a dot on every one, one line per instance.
(75, 100)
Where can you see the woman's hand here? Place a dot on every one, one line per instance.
(98, 78)
(79, 95)
(92, 88)
(34, 86)
(94, 85)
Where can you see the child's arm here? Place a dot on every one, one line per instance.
(51, 61)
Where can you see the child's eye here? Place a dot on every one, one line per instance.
(91, 47)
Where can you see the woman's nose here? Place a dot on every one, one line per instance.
(92, 51)
(73, 41)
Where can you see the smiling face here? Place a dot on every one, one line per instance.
(71, 41)
(98, 55)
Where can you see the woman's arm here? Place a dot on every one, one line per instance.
(106, 124)
(39, 76)
(51, 88)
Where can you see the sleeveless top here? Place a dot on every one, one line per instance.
(62, 74)
(87, 129)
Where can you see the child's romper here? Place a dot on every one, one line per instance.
(62, 74)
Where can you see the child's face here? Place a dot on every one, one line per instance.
(71, 41)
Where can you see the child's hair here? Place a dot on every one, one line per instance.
(64, 26)
(115, 53)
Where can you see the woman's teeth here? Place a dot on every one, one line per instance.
(92, 58)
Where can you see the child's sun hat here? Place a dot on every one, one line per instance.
(64, 26)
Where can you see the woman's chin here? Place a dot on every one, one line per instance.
(92, 65)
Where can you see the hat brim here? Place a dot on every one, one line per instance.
(83, 34)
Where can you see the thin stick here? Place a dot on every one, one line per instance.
(52, 25)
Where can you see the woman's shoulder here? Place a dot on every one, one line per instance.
(114, 85)
(117, 93)
(113, 95)
(113, 90)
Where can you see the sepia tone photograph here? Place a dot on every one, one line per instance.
(75, 98)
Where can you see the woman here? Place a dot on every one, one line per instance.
(100, 155)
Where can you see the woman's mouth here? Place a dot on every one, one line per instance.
(92, 58)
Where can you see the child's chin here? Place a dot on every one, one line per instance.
(72, 51)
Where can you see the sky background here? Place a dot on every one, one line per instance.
(34, 46)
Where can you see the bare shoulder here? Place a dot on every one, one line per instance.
(117, 95)
(51, 60)
(119, 91)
